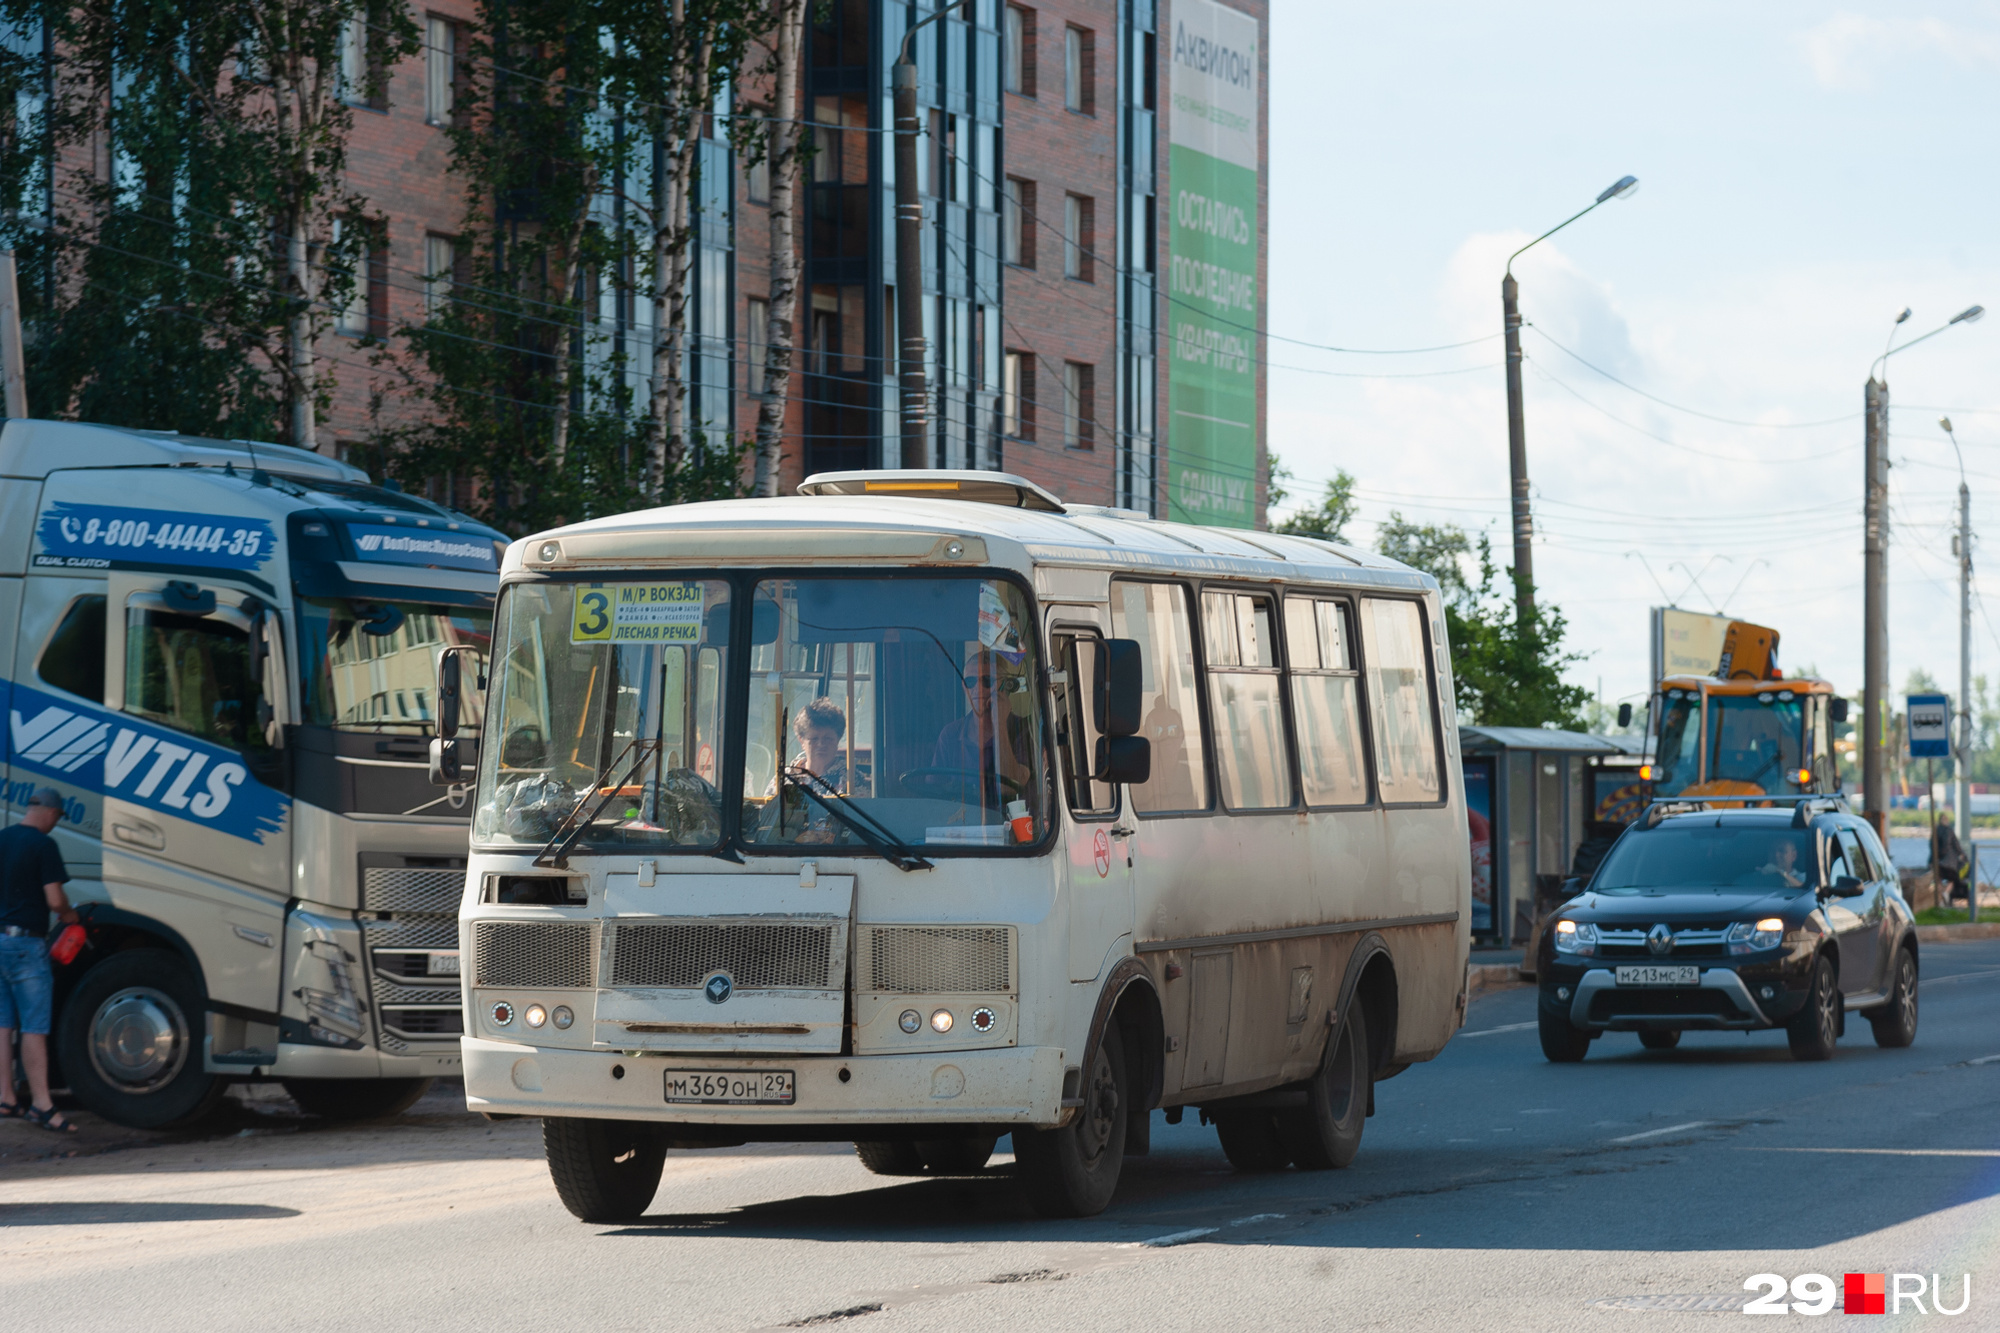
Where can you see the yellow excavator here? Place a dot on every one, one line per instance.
(1748, 730)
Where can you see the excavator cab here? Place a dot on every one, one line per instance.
(1747, 730)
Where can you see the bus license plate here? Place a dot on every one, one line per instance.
(1659, 976)
(442, 965)
(730, 1087)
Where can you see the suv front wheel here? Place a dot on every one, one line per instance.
(1563, 1042)
(1815, 1028)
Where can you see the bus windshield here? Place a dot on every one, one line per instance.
(886, 711)
(1751, 740)
(372, 666)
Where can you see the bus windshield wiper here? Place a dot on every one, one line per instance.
(555, 852)
(864, 825)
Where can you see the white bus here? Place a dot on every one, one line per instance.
(222, 655)
(923, 808)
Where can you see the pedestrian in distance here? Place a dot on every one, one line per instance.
(1948, 858)
(32, 876)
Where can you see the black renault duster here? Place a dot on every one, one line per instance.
(1731, 918)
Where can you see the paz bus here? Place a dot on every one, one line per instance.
(221, 654)
(922, 808)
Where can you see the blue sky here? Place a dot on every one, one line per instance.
(1806, 171)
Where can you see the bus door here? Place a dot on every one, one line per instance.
(1098, 831)
(196, 819)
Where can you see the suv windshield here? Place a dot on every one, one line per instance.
(880, 711)
(1708, 856)
(372, 666)
(1753, 740)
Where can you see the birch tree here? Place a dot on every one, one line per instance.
(782, 143)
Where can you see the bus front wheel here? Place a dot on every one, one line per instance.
(356, 1098)
(604, 1170)
(1073, 1171)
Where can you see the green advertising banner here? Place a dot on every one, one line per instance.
(1213, 427)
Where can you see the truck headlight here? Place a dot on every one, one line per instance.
(1576, 937)
(1754, 937)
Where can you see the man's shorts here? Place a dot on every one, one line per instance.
(26, 984)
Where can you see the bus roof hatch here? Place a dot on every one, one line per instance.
(992, 488)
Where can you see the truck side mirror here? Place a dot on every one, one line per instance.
(1625, 715)
(1839, 710)
(447, 694)
(1119, 684)
(1127, 759)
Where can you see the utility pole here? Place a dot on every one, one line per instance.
(910, 255)
(1517, 458)
(1875, 603)
(1962, 798)
(13, 364)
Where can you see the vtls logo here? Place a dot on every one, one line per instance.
(167, 771)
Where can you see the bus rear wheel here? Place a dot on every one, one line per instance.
(1326, 1134)
(129, 1044)
(356, 1098)
(1073, 1171)
(1250, 1141)
(890, 1157)
(957, 1157)
(604, 1170)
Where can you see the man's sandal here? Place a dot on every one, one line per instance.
(11, 1111)
(52, 1120)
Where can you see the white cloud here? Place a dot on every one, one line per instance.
(1846, 51)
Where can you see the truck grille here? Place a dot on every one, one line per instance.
(427, 1021)
(400, 889)
(531, 953)
(938, 960)
(757, 955)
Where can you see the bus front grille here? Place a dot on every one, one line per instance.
(531, 953)
(937, 960)
(403, 889)
(757, 955)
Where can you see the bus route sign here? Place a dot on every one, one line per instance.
(637, 613)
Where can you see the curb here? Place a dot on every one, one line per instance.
(1481, 977)
(1984, 930)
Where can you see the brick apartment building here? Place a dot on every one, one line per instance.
(1094, 255)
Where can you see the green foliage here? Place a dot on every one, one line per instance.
(1504, 673)
(1328, 519)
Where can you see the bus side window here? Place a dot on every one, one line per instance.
(1326, 701)
(1402, 693)
(1156, 615)
(1250, 738)
(1079, 659)
(74, 658)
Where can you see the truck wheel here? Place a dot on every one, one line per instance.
(130, 1046)
(605, 1170)
(957, 1157)
(1327, 1133)
(1815, 1028)
(356, 1098)
(1073, 1171)
(1895, 1023)
(1250, 1141)
(1563, 1042)
(890, 1157)
(1660, 1041)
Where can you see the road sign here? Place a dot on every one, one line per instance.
(1930, 726)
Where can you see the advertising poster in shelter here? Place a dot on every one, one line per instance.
(1213, 306)
(1479, 828)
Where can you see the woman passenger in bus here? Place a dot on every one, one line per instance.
(821, 765)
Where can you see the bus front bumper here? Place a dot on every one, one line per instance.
(1011, 1086)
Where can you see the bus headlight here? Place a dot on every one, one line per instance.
(941, 1021)
(910, 1021)
(562, 1017)
(536, 1015)
(1576, 937)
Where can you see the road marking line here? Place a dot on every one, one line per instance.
(1510, 1027)
(1894, 1152)
(1967, 1064)
(1955, 976)
(1655, 1133)
(1258, 1217)
(1179, 1237)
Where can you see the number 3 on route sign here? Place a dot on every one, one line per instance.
(1930, 726)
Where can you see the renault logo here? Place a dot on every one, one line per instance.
(718, 988)
(1659, 940)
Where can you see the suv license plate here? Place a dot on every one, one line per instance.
(1659, 976)
(731, 1087)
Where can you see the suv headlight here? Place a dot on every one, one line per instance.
(1576, 937)
(1754, 937)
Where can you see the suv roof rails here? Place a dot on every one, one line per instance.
(1802, 806)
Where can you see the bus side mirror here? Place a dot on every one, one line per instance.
(1119, 684)
(1625, 715)
(1127, 759)
(1839, 710)
(447, 768)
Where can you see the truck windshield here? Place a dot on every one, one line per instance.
(882, 713)
(1708, 856)
(1752, 741)
(372, 666)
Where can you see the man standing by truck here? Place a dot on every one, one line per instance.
(32, 876)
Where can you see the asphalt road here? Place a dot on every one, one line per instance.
(1494, 1191)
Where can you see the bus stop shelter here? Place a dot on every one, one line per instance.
(1531, 795)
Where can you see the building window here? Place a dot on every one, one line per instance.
(1017, 239)
(1079, 228)
(1020, 72)
(1017, 395)
(757, 176)
(440, 272)
(354, 69)
(1079, 405)
(1080, 70)
(440, 68)
(758, 316)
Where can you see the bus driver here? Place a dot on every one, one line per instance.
(967, 744)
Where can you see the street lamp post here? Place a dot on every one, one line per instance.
(1517, 431)
(909, 254)
(1961, 752)
(1875, 570)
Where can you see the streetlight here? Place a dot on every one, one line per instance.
(909, 253)
(1962, 752)
(1875, 567)
(1517, 435)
